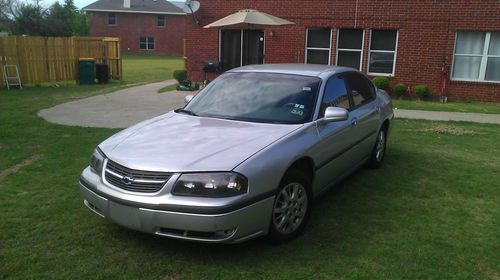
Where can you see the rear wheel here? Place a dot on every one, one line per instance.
(378, 152)
(291, 207)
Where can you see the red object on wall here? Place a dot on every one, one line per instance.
(427, 30)
(131, 26)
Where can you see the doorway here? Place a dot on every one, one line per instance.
(239, 47)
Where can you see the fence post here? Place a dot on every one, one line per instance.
(119, 56)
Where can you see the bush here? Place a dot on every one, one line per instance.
(400, 89)
(381, 82)
(422, 91)
(180, 75)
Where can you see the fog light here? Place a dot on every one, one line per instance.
(225, 233)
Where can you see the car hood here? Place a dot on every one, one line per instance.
(182, 143)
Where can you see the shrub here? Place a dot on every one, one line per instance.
(381, 82)
(180, 75)
(422, 91)
(400, 89)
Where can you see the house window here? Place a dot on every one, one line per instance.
(382, 56)
(111, 19)
(147, 43)
(318, 45)
(477, 56)
(160, 21)
(349, 47)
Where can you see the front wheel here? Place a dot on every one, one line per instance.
(378, 152)
(291, 207)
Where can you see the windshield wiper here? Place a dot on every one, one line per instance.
(180, 110)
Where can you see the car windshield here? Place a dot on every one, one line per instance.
(258, 97)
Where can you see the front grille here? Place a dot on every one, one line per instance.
(135, 180)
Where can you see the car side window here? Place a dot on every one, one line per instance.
(335, 95)
(361, 90)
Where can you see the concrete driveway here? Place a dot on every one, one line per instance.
(129, 106)
(118, 109)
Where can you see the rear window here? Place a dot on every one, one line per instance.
(361, 89)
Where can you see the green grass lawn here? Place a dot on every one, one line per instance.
(150, 68)
(137, 69)
(432, 211)
(453, 106)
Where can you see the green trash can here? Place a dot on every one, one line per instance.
(86, 68)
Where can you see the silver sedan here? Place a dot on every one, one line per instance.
(244, 158)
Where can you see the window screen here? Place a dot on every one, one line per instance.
(111, 19)
(147, 43)
(349, 48)
(160, 21)
(318, 45)
(477, 56)
(382, 51)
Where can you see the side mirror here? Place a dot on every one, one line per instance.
(333, 114)
(188, 98)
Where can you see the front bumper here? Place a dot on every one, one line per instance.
(236, 225)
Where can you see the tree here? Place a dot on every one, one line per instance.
(78, 19)
(79, 24)
(6, 8)
(69, 5)
(57, 22)
(28, 20)
(21, 18)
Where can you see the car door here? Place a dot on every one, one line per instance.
(332, 153)
(364, 114)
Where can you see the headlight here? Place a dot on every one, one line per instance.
(210, 184)
(97, 161)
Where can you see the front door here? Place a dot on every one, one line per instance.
(333, 153)
(241, 47)
(364, 113)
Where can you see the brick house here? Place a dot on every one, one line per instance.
(407, 41)
(144, 26)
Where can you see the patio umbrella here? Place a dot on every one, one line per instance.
(247, 19)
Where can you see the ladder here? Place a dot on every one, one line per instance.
(11, 80)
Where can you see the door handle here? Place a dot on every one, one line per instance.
(354, 122)
(375, 111)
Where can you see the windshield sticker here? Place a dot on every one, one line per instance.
(306, 89)
(297, 112)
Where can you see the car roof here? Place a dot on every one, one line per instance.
(314, 70)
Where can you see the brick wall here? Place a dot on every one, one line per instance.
(427, 31)
(130, 27)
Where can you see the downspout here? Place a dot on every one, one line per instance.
(356, 15)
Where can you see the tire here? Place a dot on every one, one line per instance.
(291, 208)
(378, 153)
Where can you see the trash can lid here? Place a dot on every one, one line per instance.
(86, 59)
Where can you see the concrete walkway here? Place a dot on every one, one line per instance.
(129, 106)
(118, 109)
(447, 116)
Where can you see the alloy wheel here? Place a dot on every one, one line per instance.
(290, 208)
(380, 148)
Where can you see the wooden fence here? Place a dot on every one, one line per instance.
(52, 59)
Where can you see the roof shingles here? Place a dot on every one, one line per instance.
(136, 6)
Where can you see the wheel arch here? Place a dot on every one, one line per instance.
(305, 164)
(387, 126)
